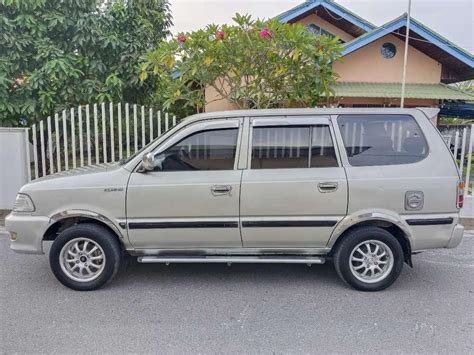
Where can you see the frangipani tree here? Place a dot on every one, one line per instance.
(253, 64)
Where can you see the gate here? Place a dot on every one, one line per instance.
(93, 134)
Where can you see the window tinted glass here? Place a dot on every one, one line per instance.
(280, 147)
(382, 139)
(322, 148)
(207, 150)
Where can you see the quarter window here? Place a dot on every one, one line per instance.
(292, 147)
(206, 150)
(382, 139)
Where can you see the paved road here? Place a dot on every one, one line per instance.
(239, 309)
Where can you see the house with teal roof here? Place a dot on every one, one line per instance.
(370, 71)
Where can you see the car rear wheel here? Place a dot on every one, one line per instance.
(369, 259)
(85, 257)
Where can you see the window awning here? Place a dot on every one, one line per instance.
(393, 90)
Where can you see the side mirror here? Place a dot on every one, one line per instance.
(148, 162)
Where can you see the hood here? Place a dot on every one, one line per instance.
(86, 170)
(101, 175)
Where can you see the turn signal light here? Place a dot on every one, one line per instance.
(460, 199)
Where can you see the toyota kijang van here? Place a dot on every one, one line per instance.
(362, 188)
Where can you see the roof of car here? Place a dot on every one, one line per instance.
(429, 112)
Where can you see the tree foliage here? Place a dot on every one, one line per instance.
(253, 64)
(58, 53)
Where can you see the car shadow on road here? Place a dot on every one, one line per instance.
(143, 274)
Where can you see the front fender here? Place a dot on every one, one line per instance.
(80, 213)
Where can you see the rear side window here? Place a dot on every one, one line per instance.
(382, 139)
(292, 147)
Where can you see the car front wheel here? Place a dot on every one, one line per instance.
(85, 257)
(369, 259)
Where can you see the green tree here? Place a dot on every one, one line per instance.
(253, 64)
(55, 54)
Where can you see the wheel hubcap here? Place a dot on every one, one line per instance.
(371, 261)
(82, 259)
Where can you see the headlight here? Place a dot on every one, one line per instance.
(23, 203)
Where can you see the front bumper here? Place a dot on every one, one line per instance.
(26, 232)
(456, 236)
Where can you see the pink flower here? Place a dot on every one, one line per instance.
(19, 81)
(181, 38)
(220, 34)
(265, 33)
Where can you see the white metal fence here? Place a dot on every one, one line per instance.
(107, 132)
(93, 134)
(461, 142)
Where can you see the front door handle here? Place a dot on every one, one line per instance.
(327, 186)
(221, 190)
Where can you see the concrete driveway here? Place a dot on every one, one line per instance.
(239, 309)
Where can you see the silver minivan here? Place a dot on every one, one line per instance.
(363, 188)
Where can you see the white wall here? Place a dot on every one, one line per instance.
(13, 167)
(468, 209)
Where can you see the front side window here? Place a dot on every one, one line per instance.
(205, 150)
(382, 139)
(292, 147)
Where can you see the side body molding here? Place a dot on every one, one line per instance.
(366, 216)
(87, 214)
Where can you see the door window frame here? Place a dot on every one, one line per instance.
(292, 121)
(197, 127)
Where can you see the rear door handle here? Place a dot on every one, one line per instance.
(327, 186)
(221, 190)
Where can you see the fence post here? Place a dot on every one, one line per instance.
(66, 154)
(50, 147)
(88, 134)
(35, 150)
(58, 137)
(43, 155)
(28, 162)
(81, 140)
(463, 150)
(96, 135)
(112, 143)
(150, 119)
(127, 127)
(469, 161)
(143, 125)
(135, 129)
(119, 122)
(104, 132)
(159, 123)
(73, 138)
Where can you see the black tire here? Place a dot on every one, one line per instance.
(97, 234)
(353, 239)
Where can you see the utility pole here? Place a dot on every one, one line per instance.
(405, 55)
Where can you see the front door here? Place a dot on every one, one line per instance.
(191, 199)
(295, 190)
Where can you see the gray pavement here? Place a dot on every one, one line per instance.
(239, 309)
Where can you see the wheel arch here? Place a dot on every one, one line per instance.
(394, 226)
(66, 219)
